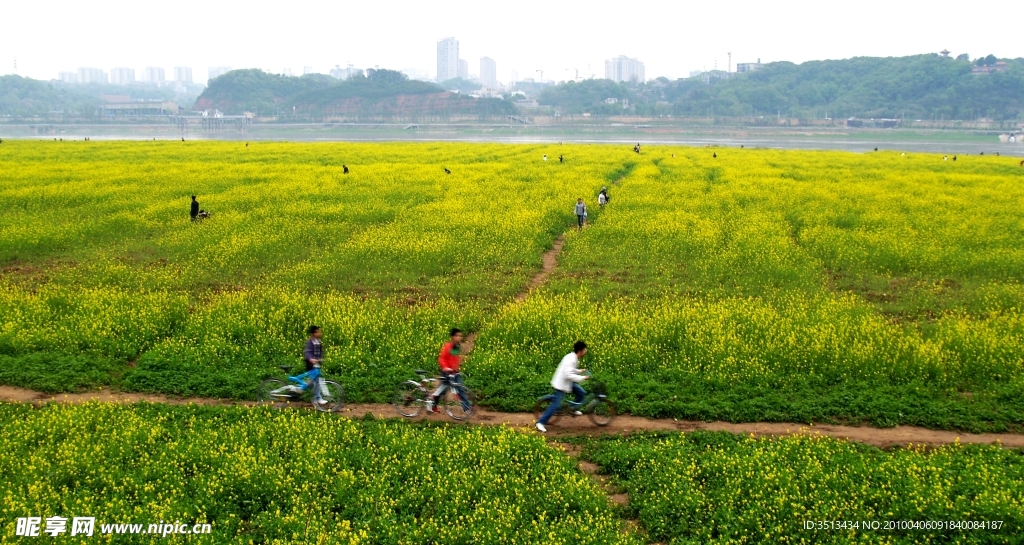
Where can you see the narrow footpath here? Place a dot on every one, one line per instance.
(566, 426)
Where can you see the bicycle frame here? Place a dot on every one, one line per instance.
(588, 403)
(311, 376)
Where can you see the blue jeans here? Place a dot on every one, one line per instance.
(556, 402)
(446, 382)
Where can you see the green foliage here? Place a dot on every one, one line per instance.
(706, 487)
(921, 87)
(379, 92)
(587, 96)
(266, 476)
(28, 97)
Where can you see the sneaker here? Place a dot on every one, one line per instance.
(577, 413)
(541, 428)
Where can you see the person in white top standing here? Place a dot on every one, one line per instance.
(566, 380)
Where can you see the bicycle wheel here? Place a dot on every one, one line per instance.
(453, 405)
(541, 406)
(265, 393)
(603, 412)
(408, 399)
(333, 397)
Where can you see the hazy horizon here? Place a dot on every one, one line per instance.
(529, 36)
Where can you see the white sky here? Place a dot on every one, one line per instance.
(670, 37)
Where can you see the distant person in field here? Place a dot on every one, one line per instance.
(194, 212)
(246, 144)
(450, 360)
(1022, 163)
(561, 159)
(581, 212)
(344, 169)
(602, 197)
(954, 158)
(565, 381)
(446, 171)
(545, 157)
(714, 155)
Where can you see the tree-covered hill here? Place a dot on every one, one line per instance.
(379, 92)
(916, 87)
(21, 97)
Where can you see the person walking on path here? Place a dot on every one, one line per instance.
(602, 197)
(194, 212)
(566, 380)
(581, 213)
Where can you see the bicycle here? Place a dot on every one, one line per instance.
(412, 395)
(595, 405)
(279, 393)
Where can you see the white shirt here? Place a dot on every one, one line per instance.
(567, 373)
(601, 199)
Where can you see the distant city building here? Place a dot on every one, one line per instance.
(307, 70)
(123, 108)
(708, 77)
(488, 72)
(182, 74)
(447, 59)
(513, 78)
(287, 72)
(742, 67)
(122, 76)
(345, 73)
(154, 74)
(68, 77)
(463, 69)
(91, 75)
(999, 66)
(624, 68)
(217, 71)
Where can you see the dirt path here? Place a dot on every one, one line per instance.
(882, 437)
(550, 261)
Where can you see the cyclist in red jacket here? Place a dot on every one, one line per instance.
(450, 360)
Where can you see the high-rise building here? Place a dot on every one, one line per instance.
(513, 78)
(307, 70)
(447, 59)
(216, 71)
(91, 75)
(463, 69)
(154, 74)
(182, 74)
(68, 77)
(488, 72)
(345, 73)
(122, 76)
(624, 68)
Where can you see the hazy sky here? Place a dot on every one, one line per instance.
(670, 37)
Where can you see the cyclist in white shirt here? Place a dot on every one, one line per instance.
(565, 381)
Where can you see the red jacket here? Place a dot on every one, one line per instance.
(448, 359)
